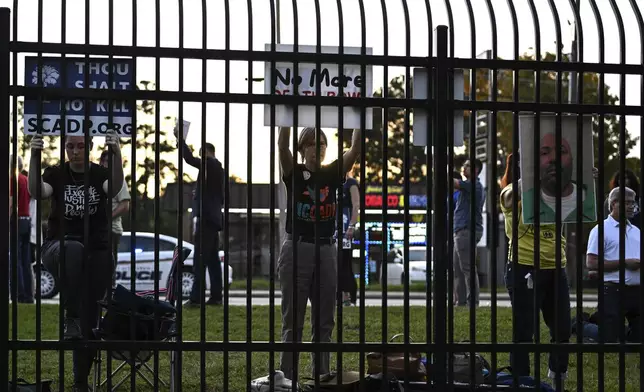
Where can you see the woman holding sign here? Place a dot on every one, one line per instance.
(85, 269)
(529, 284)
(313, 221)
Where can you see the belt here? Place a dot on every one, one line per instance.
(24, 217)
(311, 240)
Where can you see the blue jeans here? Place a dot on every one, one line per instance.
(523, 302)
(24, 271)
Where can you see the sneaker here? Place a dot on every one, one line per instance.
(212, 301)
(553, 376)
(72, 329)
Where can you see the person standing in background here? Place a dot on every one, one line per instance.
(464, 266)
(350, 214)
(632, 182)
(208, 224)
(22, 235)
(120, 206)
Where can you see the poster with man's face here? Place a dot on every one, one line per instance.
(548, 169)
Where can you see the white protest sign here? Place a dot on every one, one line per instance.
(186, 128)
(283, 82)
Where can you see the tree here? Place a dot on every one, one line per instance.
(146, 167)
(609, 161)
(395, 144)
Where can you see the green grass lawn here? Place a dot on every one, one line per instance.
(264, 284)
(351, 327)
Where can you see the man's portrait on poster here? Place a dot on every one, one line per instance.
(549, 168)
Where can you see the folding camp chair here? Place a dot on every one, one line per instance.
(130, 316)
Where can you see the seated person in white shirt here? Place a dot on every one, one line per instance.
(611, 320)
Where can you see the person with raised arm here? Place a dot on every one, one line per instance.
(306, 226)
(88, 264)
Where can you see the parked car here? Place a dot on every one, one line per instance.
(417, 266)
(144, 265)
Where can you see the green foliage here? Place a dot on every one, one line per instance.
(395, 144)
(609, 161)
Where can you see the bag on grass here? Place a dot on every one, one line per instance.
(331, 383)
(22, 385)
(396, 364)
(463, 368)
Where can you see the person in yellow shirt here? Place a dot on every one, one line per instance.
(524, 280)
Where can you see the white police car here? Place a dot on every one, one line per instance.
(144, 265)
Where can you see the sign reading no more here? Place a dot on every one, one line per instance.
(97, 71)
(284, 82)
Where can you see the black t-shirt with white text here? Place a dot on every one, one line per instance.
(73, 204)
(328, 183)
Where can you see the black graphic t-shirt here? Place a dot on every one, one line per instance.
(73, 204)
(328, 183)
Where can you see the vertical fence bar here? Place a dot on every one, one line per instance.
(622, 206)
(249, 203)
(406, 184)
(448, 201)
(226, 217)
(441, 184)
(559, 240)
(384, 275)
(295, 229)
(343, 256)
(180, 336)
(514, 171)
(201, 224)
(576, 93)
(429, 207)
(536, 202)
(472, 210)
(363, 245)
(11, 250)
(640, 25)
(157, 191)
(315, 295)
(5, 37)
(600, 193)
(272, 202)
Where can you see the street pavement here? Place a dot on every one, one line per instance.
(373, 298)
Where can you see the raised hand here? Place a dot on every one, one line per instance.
(112, 140)
(37, 143)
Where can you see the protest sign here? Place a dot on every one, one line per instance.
(549, 169)
(329, 77)
(54, 71)
(186, 128)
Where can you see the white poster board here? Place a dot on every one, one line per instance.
(186, 128)
(282, 81)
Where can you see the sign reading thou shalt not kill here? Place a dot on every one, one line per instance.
(329, 78)
(99, 116)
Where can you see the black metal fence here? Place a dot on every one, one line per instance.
(553, 108)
